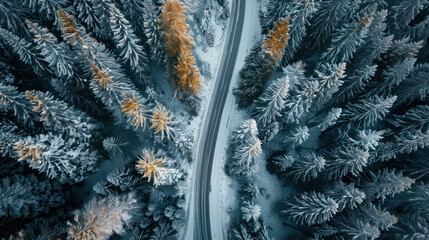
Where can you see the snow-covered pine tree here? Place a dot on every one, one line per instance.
(350, 36)
(374, 215)
(11, 19)
(327, 19)
(13, 100)
(384, 183)
(269, 105)
(300, 12)
(179, 46)
(59, 116)
(367, 139)
(250, 211)
(87, 15)
(306, 167)
(376, 43)
(261, 62)
(58, 55)
(404, 12)
(311, 208)
(330, 119)
(330, 80)
(153, 166)
(26, 52)
(151, 15)
(128, 45)
(275, 10)
(366, 112)
(101, 218)
(347, 196)
(343, 160)
(411, 141)
(298, 136)
(246, 130)
(162, 122)
(413, 88)
(354, 84)
(27, 196)
(302, 93)
(67, 160)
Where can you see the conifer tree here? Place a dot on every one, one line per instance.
(306, 167)
(101, 218)
(152, 167)
(300, 12)
(384, 183)
(26, 52)
(260, 64)
(27, 196)
(151, 15)
(138, 111)
(413, 88)
(67, 160)
(250, 211)
(87, 15)
(347, 196)
(311, 208)
(366, 112)
(331, 118)
(298, 136)
(179, 46)
(127, 43)
(276, 41)
(275, 10)
(56, 54)
(343, 160)
(354, 84)
(269, 105)
(347, 38)
(162, 122)
(330, 78)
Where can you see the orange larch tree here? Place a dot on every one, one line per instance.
(151, 166)
(162, 122)
(179, 45)
(276, 41)
(137, 111)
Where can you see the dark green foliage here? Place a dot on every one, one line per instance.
(28, 196)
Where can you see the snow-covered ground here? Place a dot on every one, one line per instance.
(223, 192)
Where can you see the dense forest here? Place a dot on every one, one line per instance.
(80, 86)
(336, 94)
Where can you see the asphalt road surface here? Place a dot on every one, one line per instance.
(212, 121)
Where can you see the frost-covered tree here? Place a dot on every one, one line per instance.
(328, 18)
(26, 52)
(300, 12)
(343, 160)
(367, 140)
(27, 196)
(88, 16)
(260, 63)
(127, 44)
(101, 218)
(376, 42)
(384, 183)
(302, 93)
(163, 231)
(246, 130)
(306, 167)
(350, 36)
(413, 88)
(269, 105)
(330, 119)
(347, 196)
(241, 233)
(311, 208)
(153, 167)
(162, 122)
(366, 112)
(330, 78)
(298, 136)
(67, 160)
(250, 211)
(138, 111)
(410, 141)
(284, 161)
(151, 14)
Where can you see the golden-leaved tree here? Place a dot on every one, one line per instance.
(179, 46)
(276, 41)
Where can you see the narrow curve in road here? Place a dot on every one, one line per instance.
(210, 129)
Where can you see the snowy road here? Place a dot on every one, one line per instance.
(199, 218)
